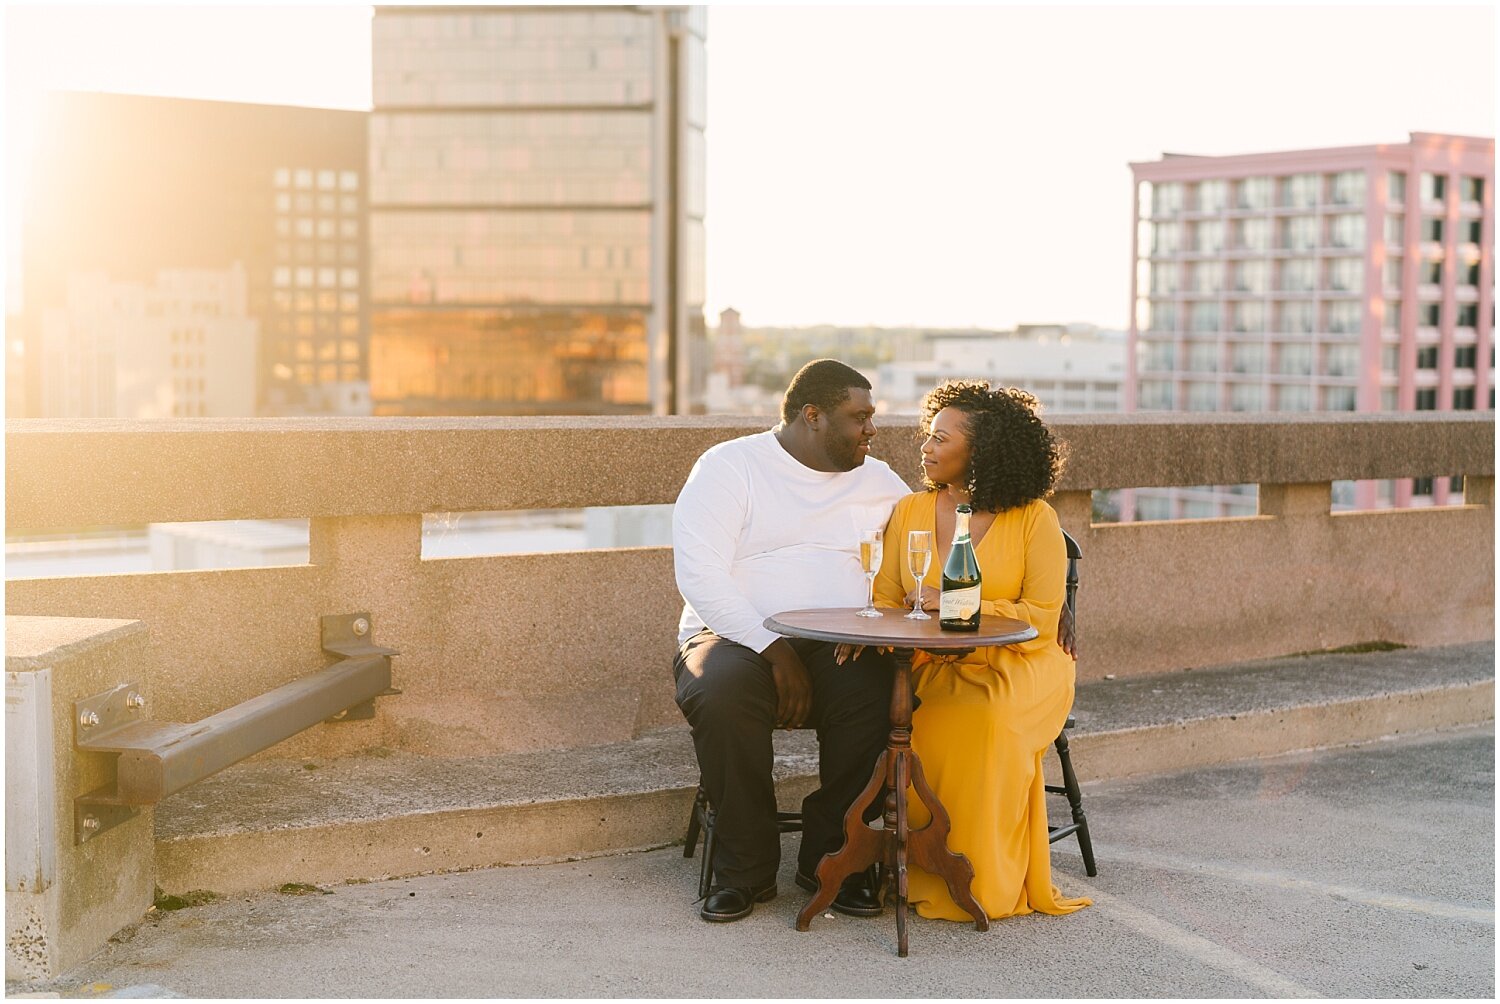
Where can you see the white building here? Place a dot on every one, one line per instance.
(1070, 368)
(181, 347)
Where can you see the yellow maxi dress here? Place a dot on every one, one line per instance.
(986, 718)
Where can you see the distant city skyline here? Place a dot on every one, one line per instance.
(888, 165)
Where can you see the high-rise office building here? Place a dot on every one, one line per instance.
(128, 189)
(1344, 279)
(536, 209)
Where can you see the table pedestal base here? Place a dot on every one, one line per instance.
(895, 845)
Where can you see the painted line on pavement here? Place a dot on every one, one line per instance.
(1281, 880)
(1208, 952)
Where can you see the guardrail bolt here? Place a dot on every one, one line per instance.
(361, 626)
(135, 701)
(88, 720)
(90, 824)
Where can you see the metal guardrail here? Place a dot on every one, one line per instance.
(157, 759)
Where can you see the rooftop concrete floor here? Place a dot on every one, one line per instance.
(1363, 871)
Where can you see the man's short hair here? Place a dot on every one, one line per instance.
(823, 383)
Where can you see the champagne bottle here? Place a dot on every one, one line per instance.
(959, 606)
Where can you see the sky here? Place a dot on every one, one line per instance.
(893, 165)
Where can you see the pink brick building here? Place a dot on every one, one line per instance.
(1344, 279)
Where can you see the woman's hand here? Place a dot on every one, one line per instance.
(930, 598)
(1067, 639)
(844, 652)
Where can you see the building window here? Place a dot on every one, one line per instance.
(1388, 399)
(1473, 231)
(1208, 237)
(1298, 233)
(1463, 399)
(1156, 395)
(1162, 316)
(1432, 229)
(1294, 359)
(1395, 229)
(1205, 317)
(1464, 357)
(1295, 317)
(1391, 272)
(1469, 275)
(1339, 398)
(1247, 357)
(1341, 360)
(1468, 315)
(1421, 486)
(1293, 398)
(1203, 397)
(1166, 199)
(1346, 274)
(1390, 358)
(1429, 315)
(1427, 357)
(349, 181)
(1247, 397)
(1203, 357)
(1395, 186)
(1426, 399)
(1249, 316)
(1158, 356)
(1456, 484)
(1347, 188)
(1206, 276)
(1346, 231)
(1250, 276)
(1434, 187)
(1342, 317)
(1164, 237)
(1253, 193)
(1212, 196)
(1390, 320)
(1430, 273)
(1298, 191)
(1252, 235)
(1471, 189)
(1298, 275)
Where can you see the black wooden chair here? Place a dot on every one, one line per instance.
(1079, 827)
(701, 818)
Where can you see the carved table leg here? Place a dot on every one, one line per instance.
(895, 843)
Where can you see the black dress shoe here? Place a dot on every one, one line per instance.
(858, 895)
(725, 903)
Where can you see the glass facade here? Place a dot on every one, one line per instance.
(537, 189)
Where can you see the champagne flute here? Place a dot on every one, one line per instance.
(871, 546)
(918, 560)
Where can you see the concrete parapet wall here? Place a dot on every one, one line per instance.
(64, 899)
(530, 651)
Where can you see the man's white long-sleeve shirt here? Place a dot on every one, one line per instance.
(756, 532)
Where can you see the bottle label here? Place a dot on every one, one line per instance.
(959, 604)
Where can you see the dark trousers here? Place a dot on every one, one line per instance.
(728, 695)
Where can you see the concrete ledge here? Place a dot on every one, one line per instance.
(123, 471)
(266, 823)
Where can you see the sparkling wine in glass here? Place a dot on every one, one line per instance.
(918, 560)
(871, 544)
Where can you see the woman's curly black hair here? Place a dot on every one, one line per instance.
(1014, 459)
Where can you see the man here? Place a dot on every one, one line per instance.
(767, 523)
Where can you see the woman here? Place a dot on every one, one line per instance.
(987, 717)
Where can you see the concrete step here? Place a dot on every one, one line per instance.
(384, 814)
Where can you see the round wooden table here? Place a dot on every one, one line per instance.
(894, 843)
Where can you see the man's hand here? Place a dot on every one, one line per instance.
(1067, 640)
(793, 688)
